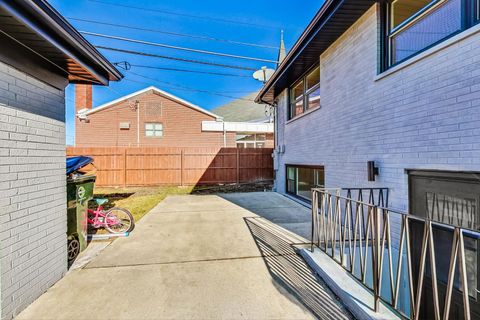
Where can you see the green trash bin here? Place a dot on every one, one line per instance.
(79, 193)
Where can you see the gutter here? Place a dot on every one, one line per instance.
(43, 19)
(299, 46)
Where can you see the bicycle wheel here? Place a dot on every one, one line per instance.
(119, 220)
(73, 249)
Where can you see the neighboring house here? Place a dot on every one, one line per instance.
(246, 110)
(395, 82)
(153, 117)
(40, 54)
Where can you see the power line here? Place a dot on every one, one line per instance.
(192, 71)
(176, 34)
(176, 87)
(185, 14)
(127, 66)
(182, 86)
(175, 58)
(162, 45)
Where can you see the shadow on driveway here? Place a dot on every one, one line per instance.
(278, 250)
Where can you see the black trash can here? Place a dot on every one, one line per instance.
(79, 193)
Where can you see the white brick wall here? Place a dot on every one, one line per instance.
(32, 189)
(424, 116)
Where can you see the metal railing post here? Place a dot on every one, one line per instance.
(372, 234)
(314, 217)
(376, 257)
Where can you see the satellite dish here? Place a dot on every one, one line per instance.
(263, 74)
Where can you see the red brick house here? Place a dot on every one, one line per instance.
(149, 117)
(153, 117)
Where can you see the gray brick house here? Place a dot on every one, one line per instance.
(394, 82)
(40, 53)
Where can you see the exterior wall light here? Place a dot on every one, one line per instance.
(372, 170)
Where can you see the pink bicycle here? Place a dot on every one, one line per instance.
(114, 220)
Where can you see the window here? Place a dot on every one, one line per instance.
(415, 25)
(477, 11)
(449, 198)
(154, 130)
(301, 180)
(246, 140)
(305, 94)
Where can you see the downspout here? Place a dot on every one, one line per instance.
(137, 106)
(275, 140)
(224, 135)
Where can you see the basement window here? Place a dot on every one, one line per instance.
(413, 26)
(301, 179)
(305, 94)
(154, 130)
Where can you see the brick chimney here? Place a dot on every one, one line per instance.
(83, 97)
(83, 100)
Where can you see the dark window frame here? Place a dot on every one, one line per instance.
(306, 93)
(464, 177)
(297, 166)
(476, 12)
(470, 16)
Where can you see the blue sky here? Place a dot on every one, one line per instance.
(260, 23)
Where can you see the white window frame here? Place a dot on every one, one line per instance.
(157, 132)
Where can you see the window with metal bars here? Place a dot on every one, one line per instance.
(413, 26)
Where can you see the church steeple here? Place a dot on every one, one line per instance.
(282, 53)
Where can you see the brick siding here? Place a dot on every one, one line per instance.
(424, 116)
(32, 187)
(182, 125)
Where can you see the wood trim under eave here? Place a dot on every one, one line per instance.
(16, 56)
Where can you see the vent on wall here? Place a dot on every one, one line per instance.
(124, 125)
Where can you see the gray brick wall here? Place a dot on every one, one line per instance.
(32, 189)
(424, 116)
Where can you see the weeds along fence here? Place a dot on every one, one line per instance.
(150, 166)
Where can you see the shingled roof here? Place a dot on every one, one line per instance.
(242, 110)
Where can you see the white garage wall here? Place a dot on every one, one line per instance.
(32, 189)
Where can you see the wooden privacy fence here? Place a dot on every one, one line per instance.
(150, 166)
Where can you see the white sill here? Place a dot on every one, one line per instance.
(447, 43)
(303, 114)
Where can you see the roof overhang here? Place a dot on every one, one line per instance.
(37, 26)
(331, 21)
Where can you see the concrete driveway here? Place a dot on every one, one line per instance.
(199, 257)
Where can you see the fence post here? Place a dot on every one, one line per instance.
(238, 165)
(182, 166)
(125, 167)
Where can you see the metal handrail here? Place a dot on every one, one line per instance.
(341, 226)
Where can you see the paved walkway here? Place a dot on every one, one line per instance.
(199, 257)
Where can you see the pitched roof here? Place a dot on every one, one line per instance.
(241, 110)
(154, 89)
